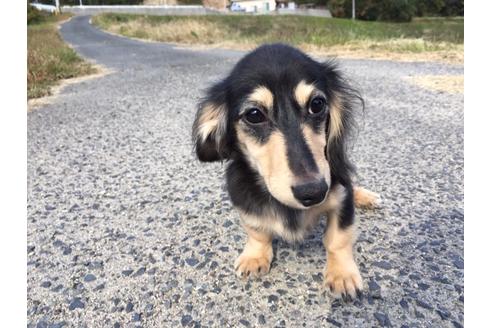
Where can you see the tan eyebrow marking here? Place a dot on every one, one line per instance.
(302, 92)
(263, 96)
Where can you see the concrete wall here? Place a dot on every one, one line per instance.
(145, 10)
(305, 12)
(174, 10)
(160, 2)
(43, 7)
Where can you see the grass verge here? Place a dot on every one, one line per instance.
(49, 59)
(423, 39)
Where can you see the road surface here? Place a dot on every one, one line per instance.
(127, 229)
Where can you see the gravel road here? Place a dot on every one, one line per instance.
(127, 229)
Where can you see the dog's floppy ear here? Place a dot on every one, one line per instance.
(340, 123)
(210, 126)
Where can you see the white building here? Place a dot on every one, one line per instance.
(253, 6)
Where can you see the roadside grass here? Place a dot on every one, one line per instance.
(422, 39)
(49, 59)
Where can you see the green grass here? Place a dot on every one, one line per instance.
(49, 59)
(419, 36)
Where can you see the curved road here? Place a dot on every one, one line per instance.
(127, 229)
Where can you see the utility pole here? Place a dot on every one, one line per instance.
(80, 2)
(57, 4)
(353, 9)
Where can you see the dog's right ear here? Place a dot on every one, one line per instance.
(210, 126)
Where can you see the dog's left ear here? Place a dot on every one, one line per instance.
(210, 126)
(340, 123)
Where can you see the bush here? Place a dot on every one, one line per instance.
(34, 15)
(428, 7)
(337, 8)
(388, 10)
(453, 8)
(190, 2)
(396, 10)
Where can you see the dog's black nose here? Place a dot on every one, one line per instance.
(310, 193)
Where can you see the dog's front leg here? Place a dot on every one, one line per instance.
(257, 255)
(341, 274)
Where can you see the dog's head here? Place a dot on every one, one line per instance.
(285, 115)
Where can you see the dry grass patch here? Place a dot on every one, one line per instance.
(430, 39)
(185, 31)
(401, 50)
(446, 83)
(49, 59)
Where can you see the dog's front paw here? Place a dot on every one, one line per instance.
(247, 265)
(343, 278)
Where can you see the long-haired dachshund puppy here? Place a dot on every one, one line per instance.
(281, 119)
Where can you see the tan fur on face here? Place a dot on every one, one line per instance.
(257, 254)
(302, 93)
(336, 124)
(261, 95)
(341, 274)
(270, 160)
(212, 119)
(316, 143)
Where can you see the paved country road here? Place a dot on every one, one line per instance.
(127, 229)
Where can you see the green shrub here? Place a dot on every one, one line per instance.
(453, 8)
(428, 7)
(337, 8)
(34, 16)
(190, 2)
(387, 10)
(396, 10)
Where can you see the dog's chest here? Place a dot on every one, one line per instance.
(289, 228)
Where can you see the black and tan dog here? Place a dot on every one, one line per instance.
(281, 120)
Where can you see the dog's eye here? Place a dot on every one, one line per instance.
(317, 105)
(254, 116)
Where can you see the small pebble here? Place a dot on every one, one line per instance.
(46, 284)
(458, 263)
(186, 319)
(424, 305)
(136, 317)
(76, 303)
(383, 265)
(191, 261)
(272, 298)
(373, 286)
(383, 319)
(89, 277)
(139, 272)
